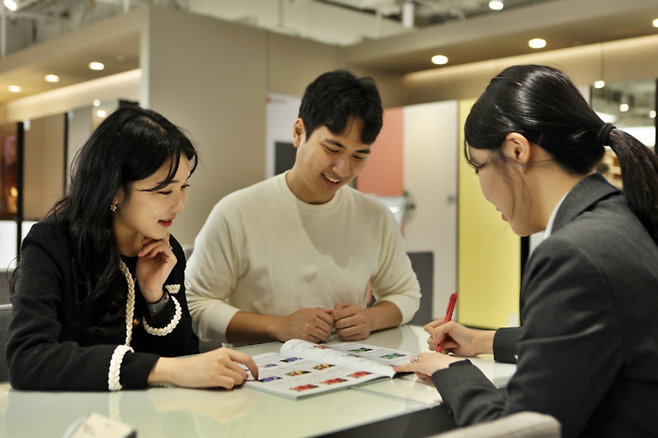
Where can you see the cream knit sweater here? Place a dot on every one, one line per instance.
(264, 251)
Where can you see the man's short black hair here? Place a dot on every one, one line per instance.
(338, 96)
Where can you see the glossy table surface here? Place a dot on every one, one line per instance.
(242, 412)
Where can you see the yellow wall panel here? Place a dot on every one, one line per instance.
(489, 253)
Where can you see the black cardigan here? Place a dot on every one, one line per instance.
(48, 347)
(588, 349)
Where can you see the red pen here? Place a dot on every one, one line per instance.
(451, 309)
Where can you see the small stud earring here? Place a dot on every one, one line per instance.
(521, 166)
(113, 207)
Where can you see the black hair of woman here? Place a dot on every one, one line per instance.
(131, 144)
(542, 104)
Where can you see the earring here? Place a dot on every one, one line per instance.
(113, 207)
(520, 168)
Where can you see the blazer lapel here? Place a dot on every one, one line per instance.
(586, 193)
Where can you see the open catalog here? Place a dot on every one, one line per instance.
(303, 368)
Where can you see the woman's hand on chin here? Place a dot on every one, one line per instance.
(155, 262)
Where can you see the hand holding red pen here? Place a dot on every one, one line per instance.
(459, 340)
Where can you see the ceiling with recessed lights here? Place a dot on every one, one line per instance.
(374, 34)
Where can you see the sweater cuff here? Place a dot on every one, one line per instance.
(407, 305)
(505, 344)
(136, 368)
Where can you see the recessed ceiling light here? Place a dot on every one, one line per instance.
(652, 114)
(101, 113)
(599, 84)
(97, 102)
(96, 65)
(624, 107)
(655, 22)
(52, 78)
(11, 5)
(496, 5)
(440, 59)
(537, 43)
(15, 89)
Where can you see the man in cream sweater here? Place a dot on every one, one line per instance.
(292, 256)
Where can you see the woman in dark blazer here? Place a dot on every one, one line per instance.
(587, 353)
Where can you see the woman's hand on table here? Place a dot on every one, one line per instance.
(426, 364)
(217, 368)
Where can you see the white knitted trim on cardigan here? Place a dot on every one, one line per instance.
(164, 331)
(172, 288)
(114, 375)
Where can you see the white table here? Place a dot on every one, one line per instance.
(387, 407)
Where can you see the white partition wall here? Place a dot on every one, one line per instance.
(430, 178)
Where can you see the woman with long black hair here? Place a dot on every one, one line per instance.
(587, 353)
(99, 297)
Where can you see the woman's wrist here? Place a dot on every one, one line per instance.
(159, 305)
(162, 371)
(484, 343)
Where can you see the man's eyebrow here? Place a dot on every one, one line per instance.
(341, 145)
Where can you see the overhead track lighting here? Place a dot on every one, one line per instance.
(408, 14)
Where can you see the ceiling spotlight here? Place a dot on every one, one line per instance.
(11, 5)
(496, 5)
(439, 60)
(652, 114)
(624, 107)
(655, 22)
(599, 84)
(101, 113)
(96, 65)
(537, 43)
(97, 102)
(15, 89)
(52, 78)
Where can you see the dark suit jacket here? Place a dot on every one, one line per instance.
(588, 349)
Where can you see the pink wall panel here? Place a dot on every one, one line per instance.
(383, 175)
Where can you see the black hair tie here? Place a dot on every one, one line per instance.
(603, 136)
